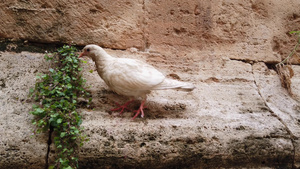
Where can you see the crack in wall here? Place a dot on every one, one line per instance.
(292, 136)
(146, 44)
(49, 142)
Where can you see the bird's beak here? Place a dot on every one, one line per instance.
(82, 54)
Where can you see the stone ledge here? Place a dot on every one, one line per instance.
(222, 123)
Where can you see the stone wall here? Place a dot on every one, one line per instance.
(238, 115)
(248, 30)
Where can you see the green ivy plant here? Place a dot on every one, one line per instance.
(57, 112)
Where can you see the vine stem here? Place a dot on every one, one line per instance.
(49, 142)
(291, 54)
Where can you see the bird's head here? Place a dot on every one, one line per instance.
(92, 51)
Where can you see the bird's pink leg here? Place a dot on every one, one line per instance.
(122, 107)
(140, 110)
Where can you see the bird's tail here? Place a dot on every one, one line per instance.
(174, 84)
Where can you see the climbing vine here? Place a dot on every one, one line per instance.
(284, 68)
(56, 112)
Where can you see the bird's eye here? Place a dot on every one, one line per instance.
(88, 49)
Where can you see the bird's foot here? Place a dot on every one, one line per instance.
(139, 111)
(122, 107)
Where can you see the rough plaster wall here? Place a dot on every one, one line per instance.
(17, 147)
(249, 30)
(238, 115)
(109, 23)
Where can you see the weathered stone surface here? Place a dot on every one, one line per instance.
(295, 81)
(112, 24)
(226, 122)
(17, 147)
(238, 115)
(245, 30)
(281, 104)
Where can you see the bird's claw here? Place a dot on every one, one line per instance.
(138, 111)
(121, 107)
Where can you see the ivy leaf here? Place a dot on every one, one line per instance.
(39, 110)
(31, 91)
(62, 134)
(296, 32)
(69, 86)
(65, 149)
(44, 76)
(59, 121)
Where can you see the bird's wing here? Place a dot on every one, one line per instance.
(130, 74)
(174, 84)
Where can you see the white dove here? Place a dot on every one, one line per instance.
(130, 77)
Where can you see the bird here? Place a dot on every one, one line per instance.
(130, 77)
